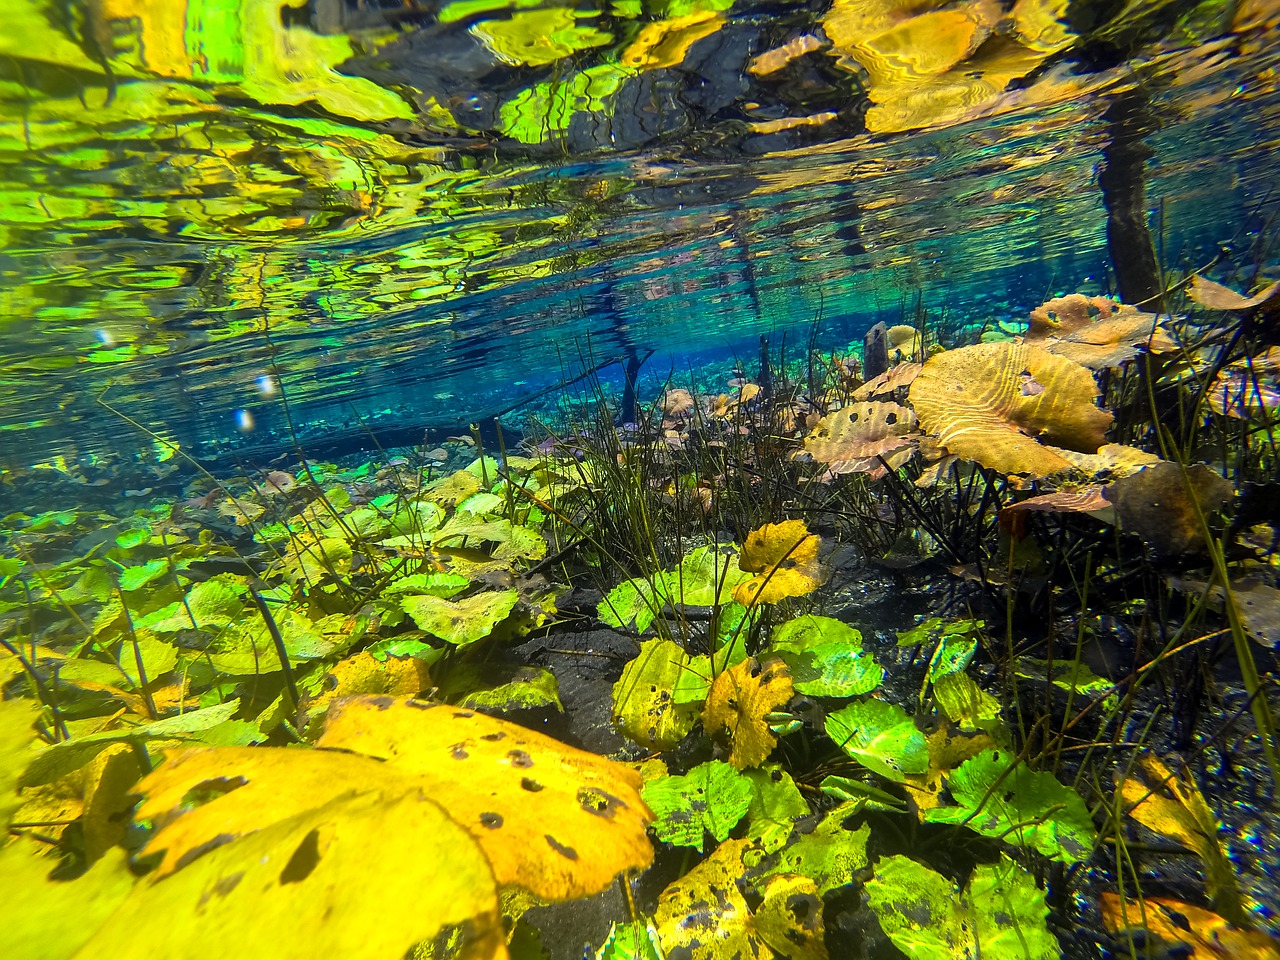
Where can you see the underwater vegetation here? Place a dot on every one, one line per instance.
(294, 712)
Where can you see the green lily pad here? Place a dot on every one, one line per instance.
(831, 855)
(965, 703)
(826, 658)
(705, 577)
(139, 575)
(631, 941)
(999, 916)
(460, 622)
(1021, 806)
(438, 584)
(881, 737)
(500, 686)
(775, 806)
(210, 605)
(711, 798)
(952, 655)
(633, 602)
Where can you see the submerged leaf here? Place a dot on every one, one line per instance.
(1096, 332)
(1000, 403)
(881, 737)
(784, 557)
(826, 657)
(1207, 935)
(460, 622)
(644, 704)
(1168, 504)
(740, 699)
(710, 798)
(1018, 805)
(999, 916)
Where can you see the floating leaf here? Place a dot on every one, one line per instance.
(740, 699)
(1171, 805)
(1207, 935)
(1000, 915)
(826, 657)
(666, 43)
(996, 402)
(644, 706)
(460, 622)
(704, 914)
(881, 737)
(710, 798)
(1019, 805)
(784, 557)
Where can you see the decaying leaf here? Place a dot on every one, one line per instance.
(705, 915)
(644, 705)
(784, 557)
(947, 751)
(996, 402)
(1111, 462)
(557, 821)
(1248, 389)
(740, 699)
(1164, 504)
(853, 438)
(888, 382)
(1217, 297)
(1208, 935)
(1000, 915)
(1171, 805)
(831, 854)
(363, 673)
(1096, 332)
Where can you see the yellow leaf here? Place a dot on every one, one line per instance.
(36, 924)
(644, 707)
(560, 822)
(785, 558)
(665, 43)
(1170, 804)
(1096, 332)
(362, 673)
(704, 914)
(740, 699)
(946, 752)
(363, 875)
(16, 740)
(1208, 935)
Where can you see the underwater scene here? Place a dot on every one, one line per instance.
(640, 479)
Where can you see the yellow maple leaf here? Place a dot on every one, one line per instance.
(740, 699)
(784, 557)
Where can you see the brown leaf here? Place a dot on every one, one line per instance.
(1208, 935)
(1096, 332)
(1163, 504)
(1217, 297)
(737, 704)
(852, 438)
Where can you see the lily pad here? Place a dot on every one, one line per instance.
(1022, 806)
(881, 737)
(460, 622)
(711, 798)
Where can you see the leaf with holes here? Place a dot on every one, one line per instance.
(558, 821)
(645, 707)
(881, 737)
(704, 915)
(460, 622)
(740, 699)
(998, 797)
